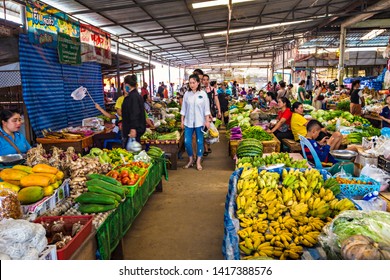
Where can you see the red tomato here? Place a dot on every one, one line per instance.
(124, 173)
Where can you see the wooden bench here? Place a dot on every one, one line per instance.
(293, 146)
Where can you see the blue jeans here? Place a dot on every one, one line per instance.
(188, 132)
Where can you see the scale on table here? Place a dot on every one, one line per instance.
(344, 156)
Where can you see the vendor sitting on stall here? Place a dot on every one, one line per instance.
(385, 114)
(322, 147)
(299, 127)
(11, 140)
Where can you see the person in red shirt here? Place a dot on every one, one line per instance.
(144, 90)
(282, 129)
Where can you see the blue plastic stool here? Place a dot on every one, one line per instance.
(306, 143)
(108, 142)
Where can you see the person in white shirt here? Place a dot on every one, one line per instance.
(195, 113)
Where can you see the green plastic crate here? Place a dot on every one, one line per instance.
(137, 202)
(110, 233)
(127, 213)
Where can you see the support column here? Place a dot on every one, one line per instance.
(283, 63)
(153, 81)
(143, 74)
(118, 71)
(23, 17)
(273, 65)
(340, 72)
(315, 67)
(150, 75)
(169, 76)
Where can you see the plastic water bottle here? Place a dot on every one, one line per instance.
(370, 195)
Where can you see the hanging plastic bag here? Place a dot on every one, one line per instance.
(377, 174)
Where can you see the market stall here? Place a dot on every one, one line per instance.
(103, 206)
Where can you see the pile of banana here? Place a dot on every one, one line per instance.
(273, 158)
(278, 216)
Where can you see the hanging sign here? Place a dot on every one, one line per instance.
(69, 49)
(44, 22)
(95, 44)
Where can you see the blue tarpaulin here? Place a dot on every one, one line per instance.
(47, 86)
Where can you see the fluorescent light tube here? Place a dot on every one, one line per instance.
(267, 26)
(214, 3)
(372, 34)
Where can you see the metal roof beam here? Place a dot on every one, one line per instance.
(372, 23)
(120, 7)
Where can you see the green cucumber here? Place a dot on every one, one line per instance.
(96, 208)
(97, 189)
(105, 178)
(98, 198)
(110, 187)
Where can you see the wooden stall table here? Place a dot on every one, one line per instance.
(80, 145)
(374, 120)
(268, 146)
(170, 147)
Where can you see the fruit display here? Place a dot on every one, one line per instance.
(250, 148)
(271, 159)
(342, 180)
(281, 213)
(31, 183)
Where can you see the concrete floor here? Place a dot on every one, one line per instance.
(185, 221)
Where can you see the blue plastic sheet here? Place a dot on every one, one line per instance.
(386, 132)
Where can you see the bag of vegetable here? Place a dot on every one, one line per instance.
(373, 224)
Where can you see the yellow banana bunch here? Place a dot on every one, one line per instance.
(345, 204)
(260, 226)
(265, 249)
(329, 196)
(274, 209)
(249, 173)
(316, 223)
(298, 210)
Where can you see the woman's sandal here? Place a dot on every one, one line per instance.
(199, 168)
(188, 165)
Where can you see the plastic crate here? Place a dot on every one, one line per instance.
(141, 180)
(137, 202)
(127, 213)
(351, 190)
(66, 252)
(109, 234)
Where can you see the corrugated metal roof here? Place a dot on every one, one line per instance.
(165, 26)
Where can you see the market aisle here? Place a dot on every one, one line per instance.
(185, 221)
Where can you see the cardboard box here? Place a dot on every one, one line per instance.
(49, 202)
(49, 254)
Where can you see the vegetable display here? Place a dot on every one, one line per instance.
(281, 213)
(249, 148)
(257, 132)
(372, 224)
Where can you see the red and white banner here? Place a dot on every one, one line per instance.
(95, 44)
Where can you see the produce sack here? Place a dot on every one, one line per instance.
(374, 224)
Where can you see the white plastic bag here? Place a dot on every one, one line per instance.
(377, 174)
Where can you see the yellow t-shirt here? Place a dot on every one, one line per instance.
(298, 125)
(118, 104)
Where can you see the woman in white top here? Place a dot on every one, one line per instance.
(317, 102)
(195, 113)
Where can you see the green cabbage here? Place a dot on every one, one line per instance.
(374, 224)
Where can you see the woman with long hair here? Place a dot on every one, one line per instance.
(195, 118)
(317, 97)
(282, 129)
